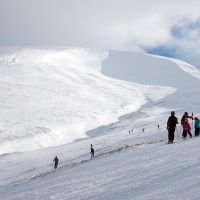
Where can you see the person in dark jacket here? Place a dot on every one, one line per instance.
(92, 151)
(171, 126)
(55, 161)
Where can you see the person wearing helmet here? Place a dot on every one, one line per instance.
(171, 126)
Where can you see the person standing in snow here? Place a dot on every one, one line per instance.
(186, 128)
(92, 151)
(55, 161)
(197, 126)
(184, 120)
(171, 126)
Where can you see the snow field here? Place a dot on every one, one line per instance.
(52, 97)
(135, 166)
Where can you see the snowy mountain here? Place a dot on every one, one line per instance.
(52, 97)
(71, 98)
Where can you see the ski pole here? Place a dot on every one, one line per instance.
(192, 122)
(181, 128)
(177, 134)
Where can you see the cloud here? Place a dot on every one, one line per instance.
(134, 25)
(183, 44)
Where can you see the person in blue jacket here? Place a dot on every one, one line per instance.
(196, 126)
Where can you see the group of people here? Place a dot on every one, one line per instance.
(56, 160)
(173, 121)
(171, 126)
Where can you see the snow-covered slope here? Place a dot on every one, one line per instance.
(52, 97)
(135, 91)
(157, 70)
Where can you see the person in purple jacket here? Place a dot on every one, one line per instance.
(186, 129)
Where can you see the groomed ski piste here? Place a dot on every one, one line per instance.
(58, 101)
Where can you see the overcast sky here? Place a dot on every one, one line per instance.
(168, 27)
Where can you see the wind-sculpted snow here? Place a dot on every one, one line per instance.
(52, 97)
(188, 68)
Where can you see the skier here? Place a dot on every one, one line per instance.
(197, 126)
(171, 125)
(184, 120)
(55, 161)
(92, 151)
(186, 129)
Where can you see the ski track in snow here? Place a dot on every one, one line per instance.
(99, 155)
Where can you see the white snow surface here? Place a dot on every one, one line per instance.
(52, 97)
(71, 98)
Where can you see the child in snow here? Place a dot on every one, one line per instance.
(92, 151)
(197, 126)
(186, 129)
(184, 120)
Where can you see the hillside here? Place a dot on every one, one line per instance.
(71, 98)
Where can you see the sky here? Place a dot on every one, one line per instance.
(164, 27)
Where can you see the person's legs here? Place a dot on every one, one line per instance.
(196, 132)
(190, 134)
(184, 134)
(55, 165)
(171, 135)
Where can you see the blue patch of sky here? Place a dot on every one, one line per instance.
(194, 25)
(163, 51)
(179, 31)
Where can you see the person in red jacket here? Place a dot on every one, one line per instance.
(186, 116)
(186, 129)
(184, 120)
